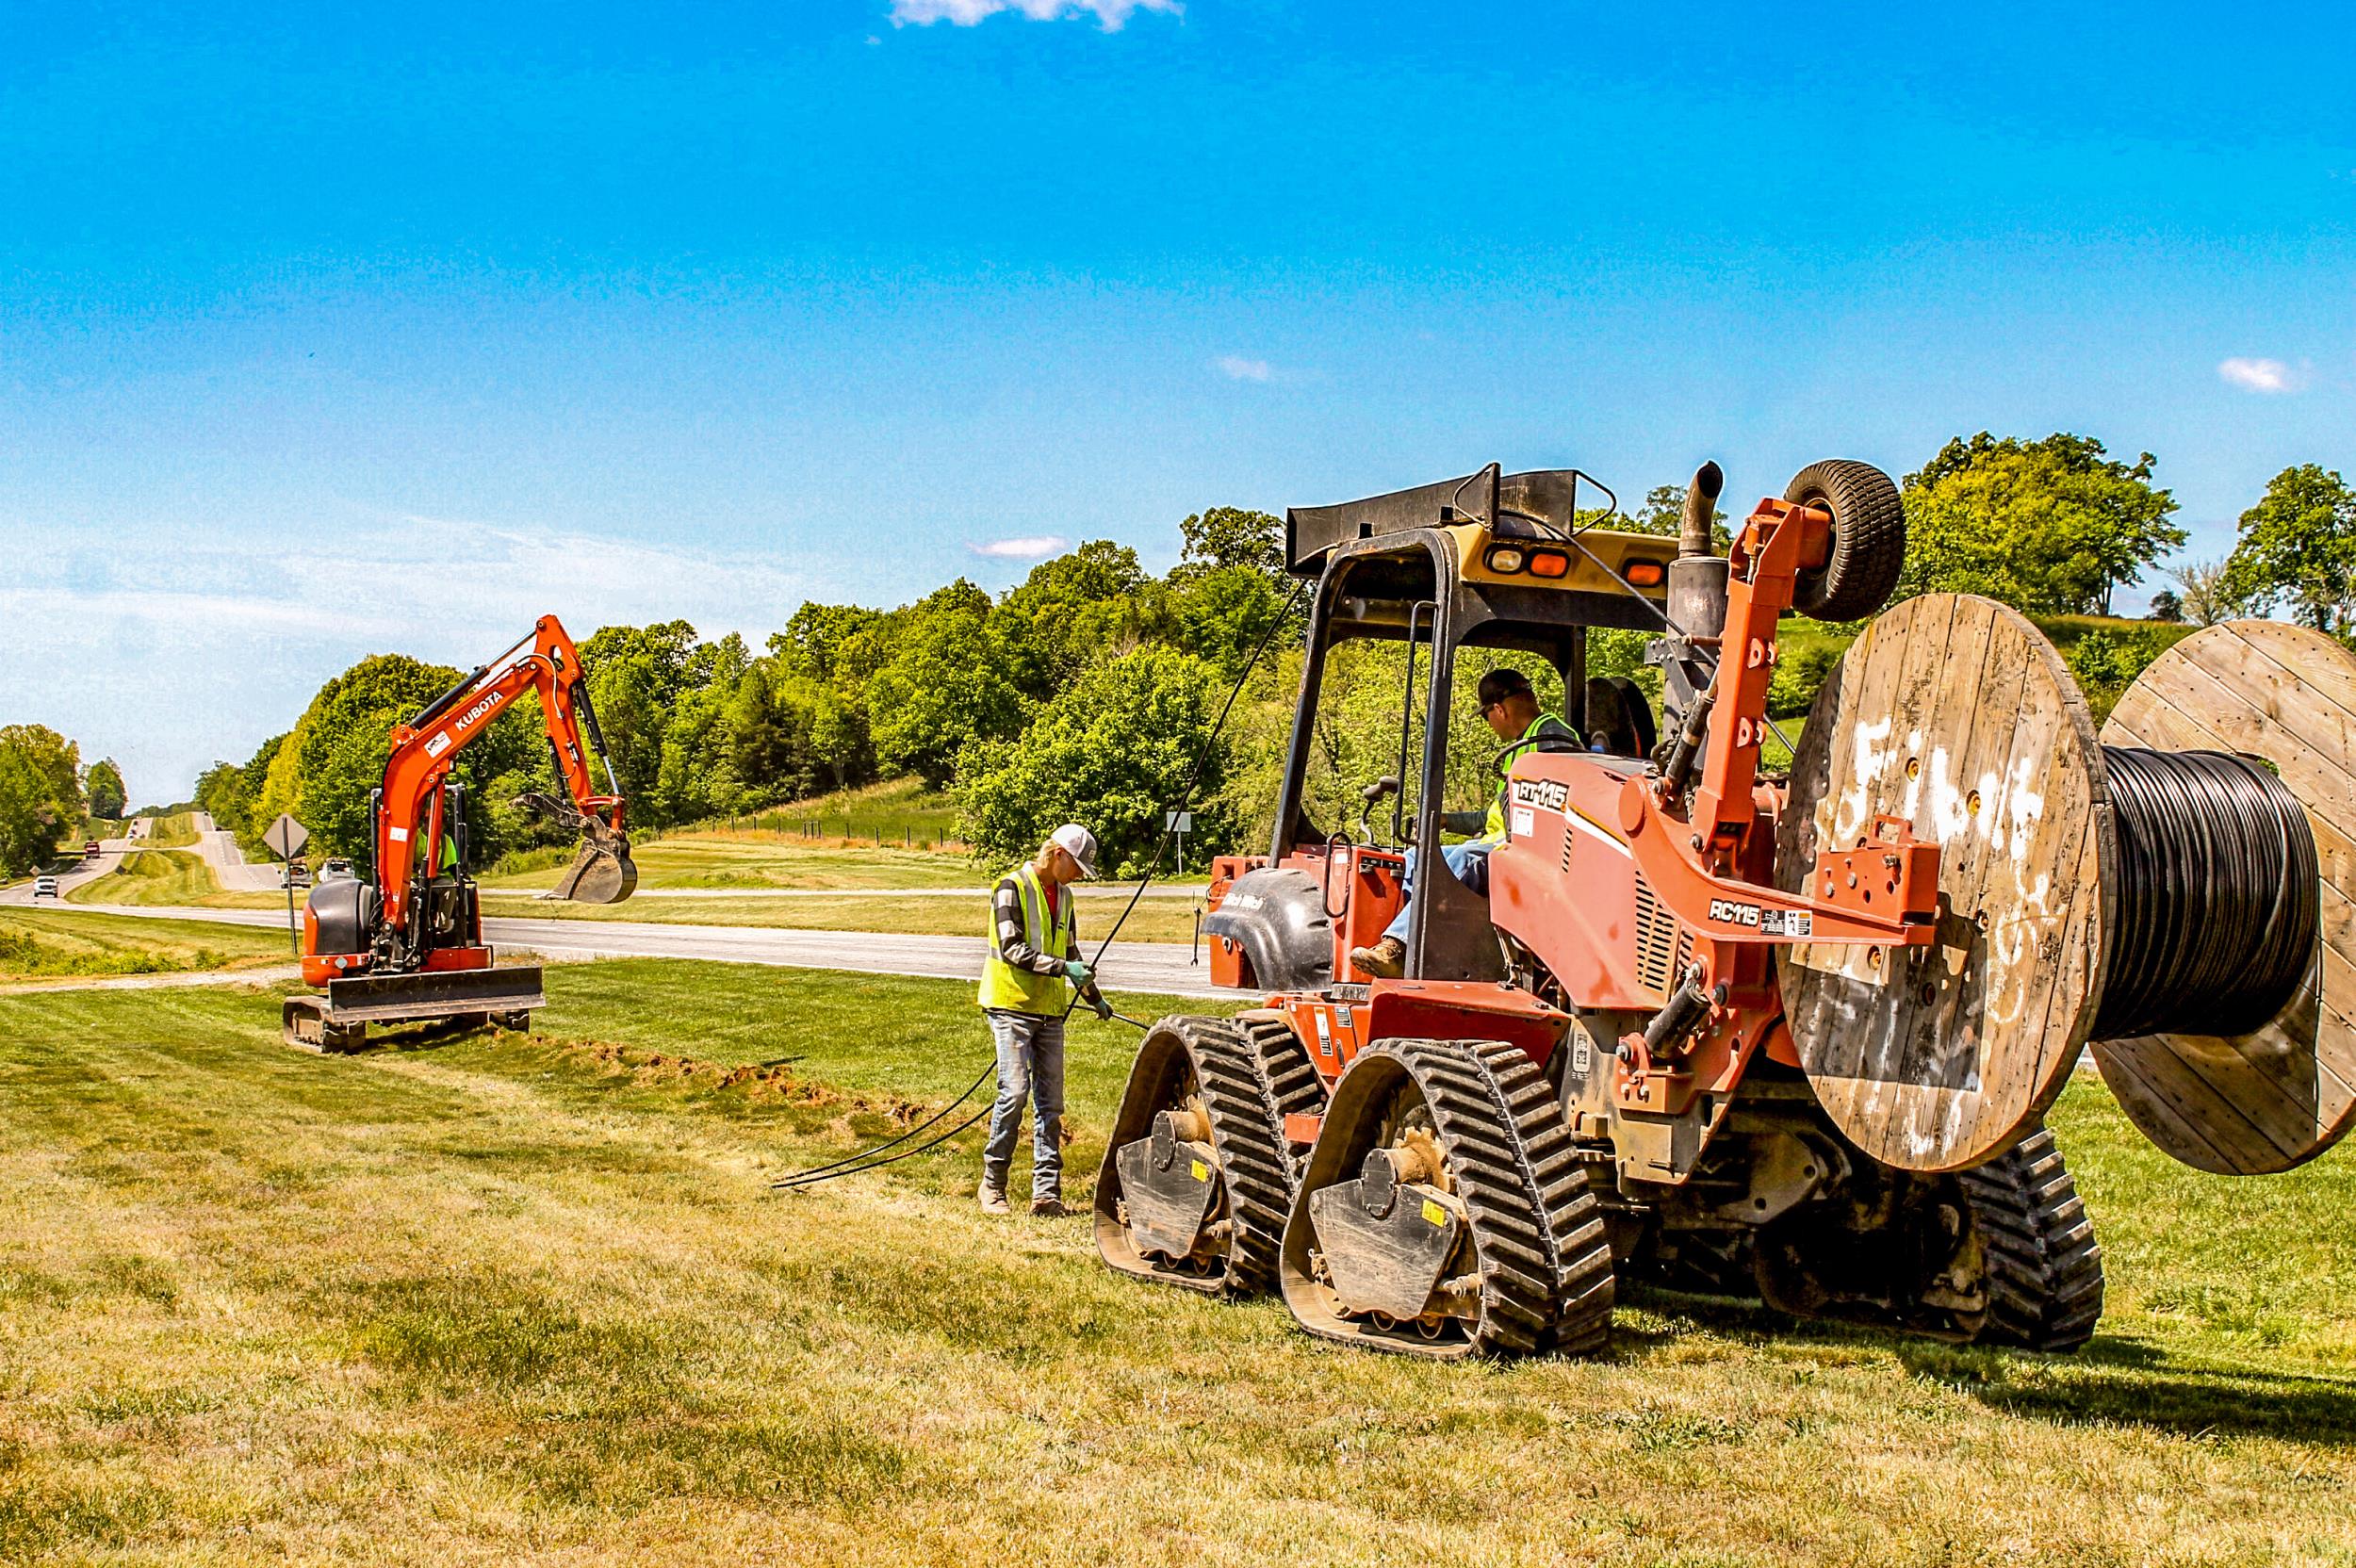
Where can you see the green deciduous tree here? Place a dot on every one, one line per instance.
(2045, 526)
(41, 795)
(1067, 611)
(103, 785)
(946, 685)
(1114, 751)
(324, 774)
(2296, 547)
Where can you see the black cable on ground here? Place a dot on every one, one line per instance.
(834, 1168)
(904, 1154)
(2218, 894)
(864, 1160)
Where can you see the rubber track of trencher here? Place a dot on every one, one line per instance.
(2044, 1267)
(1251, 1073)
(1546, 1265)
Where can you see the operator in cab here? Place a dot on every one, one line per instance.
(1510, 709)
(1033, 955)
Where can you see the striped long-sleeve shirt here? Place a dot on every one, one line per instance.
(1007, 908)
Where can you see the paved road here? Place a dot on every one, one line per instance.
(220, 852)
(110, 858)
(1161, 966)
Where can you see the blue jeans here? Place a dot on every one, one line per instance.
(1470, 862)
(1030, 1066)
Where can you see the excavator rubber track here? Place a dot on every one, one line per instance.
(1542, 1258)
(2044, 1267)
(1245, 1076)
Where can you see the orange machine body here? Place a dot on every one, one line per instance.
(1624, 890)
(410, 824)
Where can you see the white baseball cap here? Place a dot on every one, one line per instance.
(1079, 843)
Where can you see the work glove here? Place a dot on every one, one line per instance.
(1078, 973)
(1104, 1009)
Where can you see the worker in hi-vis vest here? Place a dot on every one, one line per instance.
(1034, 959)
(1510, 708)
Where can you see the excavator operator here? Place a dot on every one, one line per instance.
(1510, 709)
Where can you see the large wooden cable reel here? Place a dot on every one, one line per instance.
(2269, 1099)
(1954, 714)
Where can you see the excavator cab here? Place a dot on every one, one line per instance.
(1489, 563)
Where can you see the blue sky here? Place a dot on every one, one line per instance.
(328, 331)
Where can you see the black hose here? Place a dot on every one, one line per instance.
(929, 1144)
(834, 1168)
(2217, 903)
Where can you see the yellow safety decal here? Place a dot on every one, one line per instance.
(1202, 1171)
(1433, 1212)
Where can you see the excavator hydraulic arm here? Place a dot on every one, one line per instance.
(410, 818)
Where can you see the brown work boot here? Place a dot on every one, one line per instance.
(1048, 1208)
(993, 1200)
(1386, 960)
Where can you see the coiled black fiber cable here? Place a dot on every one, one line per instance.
(2218, 905)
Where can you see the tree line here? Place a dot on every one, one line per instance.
(47, 797)
(1090, 689)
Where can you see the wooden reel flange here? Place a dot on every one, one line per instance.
(1953, 713)
(2267, 1101)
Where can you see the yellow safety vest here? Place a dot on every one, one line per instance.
(1495, 833)
(1019, 990)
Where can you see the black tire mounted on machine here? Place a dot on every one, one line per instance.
(1444, 1211)
(1198, 1177)
(1869, 539)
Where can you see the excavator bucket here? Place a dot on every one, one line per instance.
(602, 872)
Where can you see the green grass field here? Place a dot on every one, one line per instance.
(519, 1298)
(52, 945)
(176, 831)
(1156, 920)
(150, 877)
(717, 859)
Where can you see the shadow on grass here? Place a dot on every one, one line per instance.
(2127, 1383)
(2114, 1381)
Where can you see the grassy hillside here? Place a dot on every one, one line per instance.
(530, 1298)
(1156, 920)
(744, 858)
(151, 877)
(48, 945)
(174, 831)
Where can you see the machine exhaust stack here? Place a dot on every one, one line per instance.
(1701, 506)
(1698, 599)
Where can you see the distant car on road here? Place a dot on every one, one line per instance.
(44, 887)
(92, 850)
(337, 869)
(294, 876)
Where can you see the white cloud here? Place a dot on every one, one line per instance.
(1037, 547)
(1236, 368)
(2261, 375)
(1109, 14)
(194, 652)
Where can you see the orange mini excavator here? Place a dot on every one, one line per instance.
(405, 945)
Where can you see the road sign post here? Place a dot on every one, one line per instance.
(285, 838)
(1178, 825)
